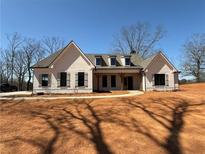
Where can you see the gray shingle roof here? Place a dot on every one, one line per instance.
(147, 61)
(134, 58)
(136, 61)
(44, 63)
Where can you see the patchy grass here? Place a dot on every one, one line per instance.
(156, 122)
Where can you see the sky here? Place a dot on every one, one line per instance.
(92, 24)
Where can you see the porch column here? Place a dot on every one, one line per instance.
(121, 77)
(143, 81)
(98, 82)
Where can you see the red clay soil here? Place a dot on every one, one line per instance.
(153, 123)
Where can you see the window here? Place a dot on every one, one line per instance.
(104, 81)
(45, 80)
(113, 81)
(159, 79)
(127, 61)
(113, 61)
(63, 79)
(81, 78)
(98, 61)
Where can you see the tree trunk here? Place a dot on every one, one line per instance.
(19, 83)
(12, 67)
(1, 78)
(22, 83)
(198, 71)
(29, 79)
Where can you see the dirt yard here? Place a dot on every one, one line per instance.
(153, 123)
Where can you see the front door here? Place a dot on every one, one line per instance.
(130, 83)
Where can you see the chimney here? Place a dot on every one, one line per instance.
(133, 52)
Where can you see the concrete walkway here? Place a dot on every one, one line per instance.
(16, 93)
(131, 93)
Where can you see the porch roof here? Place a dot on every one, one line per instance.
(119, 67)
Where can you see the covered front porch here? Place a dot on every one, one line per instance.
(117, 79)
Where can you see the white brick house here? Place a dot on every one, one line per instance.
(70, 70)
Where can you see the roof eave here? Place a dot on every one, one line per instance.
(38, 67)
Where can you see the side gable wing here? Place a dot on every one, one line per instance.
(150, 61)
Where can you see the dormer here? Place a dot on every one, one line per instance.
(98, 61)
(126, 60)
(112, 60)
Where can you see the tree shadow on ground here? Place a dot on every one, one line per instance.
(92, 123)
(45, 148)
(174, 125)
(61, 118)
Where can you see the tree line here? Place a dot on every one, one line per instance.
(21, 52)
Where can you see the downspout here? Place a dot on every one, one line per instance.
(93, 78)
(32, 81)
(145, 83)
(174, 80)
(144, 76)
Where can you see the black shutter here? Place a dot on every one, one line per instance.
(153, 80)
(40, 80)
(86, 80)
(68, 79)
(76, 79)
(58, 79)
(166, 80)
(49, 80)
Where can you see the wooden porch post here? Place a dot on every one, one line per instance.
(98, 82)
(121, 76)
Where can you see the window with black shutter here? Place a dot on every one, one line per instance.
(81, 79)
(159, 79)
(44, 80)
(63, 79)
(113, 81)
(104, 80)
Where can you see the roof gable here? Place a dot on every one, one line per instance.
(72, 43)
(147, 62)
(50, 60)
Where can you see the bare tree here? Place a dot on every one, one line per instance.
(20, 68)
(14, 43)
(16, 60)
(52, 44)
(194, 56)
(2, 75)
(2, 71)
(138, 38)
(5, 66)
(33, 53)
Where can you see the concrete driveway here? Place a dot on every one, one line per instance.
(23, 94)
(16, 93)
